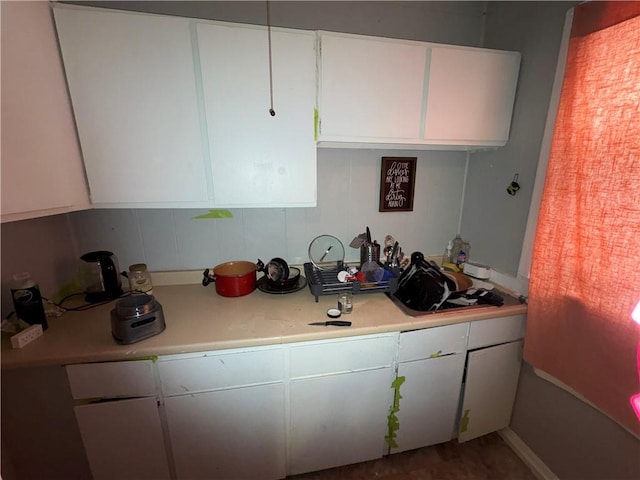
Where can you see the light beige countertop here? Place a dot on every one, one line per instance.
(198, 319)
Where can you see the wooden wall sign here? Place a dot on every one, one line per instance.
(397, 184)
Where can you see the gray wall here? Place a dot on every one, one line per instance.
(573, 439)
(494, 220)
(44, 247)
(458, 23)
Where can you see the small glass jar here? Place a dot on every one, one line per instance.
(140, 279)
(345, 302)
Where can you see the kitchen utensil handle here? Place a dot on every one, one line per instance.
(338, 323)
(325, 253)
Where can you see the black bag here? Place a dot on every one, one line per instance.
(423, 286)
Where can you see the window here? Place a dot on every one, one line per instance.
(585, 274)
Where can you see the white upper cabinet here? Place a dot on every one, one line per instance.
(258, 159)
(42, 170)
(174, 112)
(371, 89)
(388, 93)
(133, 87)
(470, 95)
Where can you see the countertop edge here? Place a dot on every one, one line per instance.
(140, 350)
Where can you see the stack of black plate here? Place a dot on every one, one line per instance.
(279, 278)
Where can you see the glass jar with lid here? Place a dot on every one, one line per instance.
(140, 279)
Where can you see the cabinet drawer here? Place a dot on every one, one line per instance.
(496, 330)
(112, 379)
(420, 344)
(213, 371)
(343, 355)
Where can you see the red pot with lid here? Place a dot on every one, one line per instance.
(233, 279)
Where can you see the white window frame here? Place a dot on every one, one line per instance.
(524, 267)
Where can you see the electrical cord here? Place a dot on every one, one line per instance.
(86, 306)
(81, 308)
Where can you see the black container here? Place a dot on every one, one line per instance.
(27, 300)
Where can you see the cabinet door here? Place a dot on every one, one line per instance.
(338, 419)
(123, 439)
(42, 170)
(258, 159)
(429, 403)
(229, 434)
(371, 89)
(490, 389)
(133, 88)
(470, 95)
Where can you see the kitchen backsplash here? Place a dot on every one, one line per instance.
(348, 196)
(172, 239)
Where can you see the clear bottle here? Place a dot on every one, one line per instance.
(140, 279)
(446, 258)
(27, 300)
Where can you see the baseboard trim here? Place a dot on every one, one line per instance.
(537, 466)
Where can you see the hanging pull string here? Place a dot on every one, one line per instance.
(272, 112)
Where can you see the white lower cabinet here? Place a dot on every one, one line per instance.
(226, 413)
(429, 401)
(431, 361)
(490, 389)
(122, 437)
(229, 434)
(272, 411)
(340, 393)
(493, 367)
(338, 419)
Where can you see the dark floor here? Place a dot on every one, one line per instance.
(487, 457)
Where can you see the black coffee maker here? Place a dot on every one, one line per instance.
(101, 274)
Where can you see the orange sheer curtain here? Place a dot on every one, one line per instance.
(585, 274)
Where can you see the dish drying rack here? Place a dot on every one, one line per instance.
(325, 282)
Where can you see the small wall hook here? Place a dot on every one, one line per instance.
(514, 186)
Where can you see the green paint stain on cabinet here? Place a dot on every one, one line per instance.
(392, 420)
(464, 421)
(215, 214)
